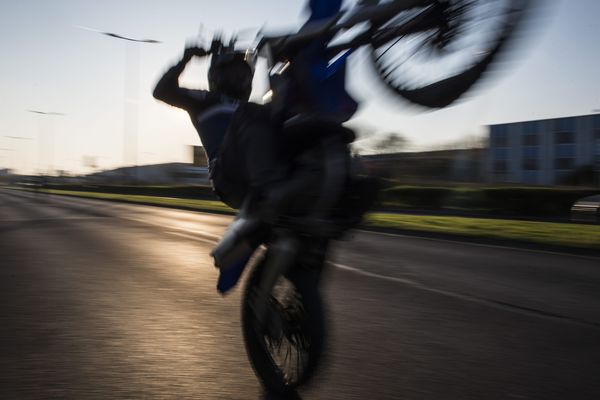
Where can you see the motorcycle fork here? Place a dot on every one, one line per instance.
(281, 256)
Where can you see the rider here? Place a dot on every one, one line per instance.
(244, 152)
(323, 81)
(245, 158)
(237, 135)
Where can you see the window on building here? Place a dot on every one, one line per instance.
(564, 151)
(563, 177)
(531, 152)
(564, 137)
(564, 163)
(531, 128)
(597, 122)
(530, 177)
(530, 140)
(530, 164)
(500, 153)
(499, 136)
(500, 129)
(500, 141)
(565, 125)
(530, 158)
(500, 166)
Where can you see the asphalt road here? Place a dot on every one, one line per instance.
(103, 300)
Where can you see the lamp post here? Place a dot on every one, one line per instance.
(131, 89)
(51, 114)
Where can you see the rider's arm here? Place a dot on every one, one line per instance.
(168, 90)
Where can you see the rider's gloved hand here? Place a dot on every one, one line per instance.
(193, 51)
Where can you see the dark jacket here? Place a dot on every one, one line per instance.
(211, 113)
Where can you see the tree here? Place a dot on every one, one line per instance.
(390, 143)
(380, 144)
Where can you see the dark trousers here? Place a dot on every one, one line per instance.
(251, 156)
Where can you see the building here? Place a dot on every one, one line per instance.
(163, 174)
(545, 152)
(439, 166)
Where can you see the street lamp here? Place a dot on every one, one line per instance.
(45, 112)
(130, 39)
(50, 137)
(132, 73)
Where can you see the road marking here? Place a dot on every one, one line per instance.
(374, 275)
(213, 239)
(505, 306)
(193, 237)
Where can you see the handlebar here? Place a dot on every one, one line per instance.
(377, 16)
(283, 47)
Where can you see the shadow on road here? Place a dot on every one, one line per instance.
(273, 396)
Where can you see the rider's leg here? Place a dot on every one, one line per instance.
(250, 165)
(266, 163)
(258, 146)
(250, 158)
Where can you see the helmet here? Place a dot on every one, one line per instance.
(231, 71)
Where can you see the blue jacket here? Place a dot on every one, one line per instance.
(325, 83)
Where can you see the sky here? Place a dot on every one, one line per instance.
(49, 63)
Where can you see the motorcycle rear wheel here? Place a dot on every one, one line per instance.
(286, 352)
(451, 51)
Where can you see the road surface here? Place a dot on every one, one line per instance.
(103, 300)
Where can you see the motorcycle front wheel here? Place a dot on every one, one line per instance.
(285, 351)
(454, 43)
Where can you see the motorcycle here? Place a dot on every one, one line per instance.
(429, 52)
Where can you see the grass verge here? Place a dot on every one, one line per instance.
(200, 205)
(544, 233)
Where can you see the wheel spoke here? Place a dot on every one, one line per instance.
(287, 350)
(474, 28)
